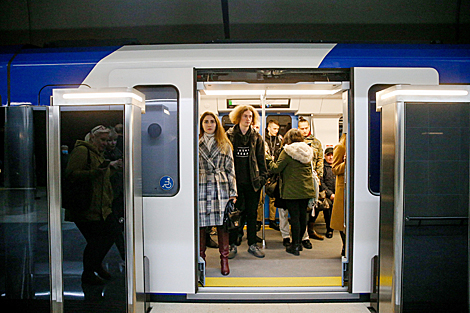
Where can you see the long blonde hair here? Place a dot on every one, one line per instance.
(236, 114)
(220, 137)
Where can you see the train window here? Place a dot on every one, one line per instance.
(375, 144)
(285, 122)
(160, 133)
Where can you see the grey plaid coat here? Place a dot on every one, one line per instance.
(216, 183)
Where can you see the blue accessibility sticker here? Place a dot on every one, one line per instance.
(166, 182)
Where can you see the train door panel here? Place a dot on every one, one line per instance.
(363, 205)
(169, 210)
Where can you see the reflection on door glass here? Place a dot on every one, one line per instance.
(93, 220)
(24, 250)
(160, 172)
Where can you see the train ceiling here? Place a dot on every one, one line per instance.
(113, 22)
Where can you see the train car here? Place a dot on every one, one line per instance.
(333, 86)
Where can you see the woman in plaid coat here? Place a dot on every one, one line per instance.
(217, 183)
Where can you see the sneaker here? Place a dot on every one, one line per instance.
(286, 242)
(254, 249)
(307, 244)
(233, 251)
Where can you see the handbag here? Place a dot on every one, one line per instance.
(232, 216)
(272, 185)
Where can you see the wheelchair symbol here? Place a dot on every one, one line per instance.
(166, 182)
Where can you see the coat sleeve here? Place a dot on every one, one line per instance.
(77, 167)
(279, 165)
(318, 166)
(338, 159)
(260, 157)
(230, 171)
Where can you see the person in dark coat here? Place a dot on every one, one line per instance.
(216, 184)
(296, 183)
(250, 170)
(328, 181)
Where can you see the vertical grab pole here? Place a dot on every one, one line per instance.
(263, 134)
(54, 204)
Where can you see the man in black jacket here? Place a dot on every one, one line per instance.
(328, 184)
(250, 170)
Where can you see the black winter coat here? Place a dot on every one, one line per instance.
(257, 162)
(328, 180)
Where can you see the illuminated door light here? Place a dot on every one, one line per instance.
(100, 95)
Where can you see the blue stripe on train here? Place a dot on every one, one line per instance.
(451, 61)
(35, 68)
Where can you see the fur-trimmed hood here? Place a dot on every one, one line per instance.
(299, 151)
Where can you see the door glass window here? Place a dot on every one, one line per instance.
(93, 208)
(160, 133)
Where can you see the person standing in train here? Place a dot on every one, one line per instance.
(328, 184)
(250, 169)
(296, 184)
(273, 144)
(217, 184)
(317, 163)
(338, 165)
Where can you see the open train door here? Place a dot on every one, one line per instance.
(73, 113)
(361, 199)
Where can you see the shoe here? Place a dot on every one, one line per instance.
(254, 249)
(293, 249)
(329, 234)
(307, 244)
(233, 251)
(258, 239)
(286, 242)
(211, 243)
(104, 274)
(316, 236)
(224, 269)
(90, 278)
(273, 225)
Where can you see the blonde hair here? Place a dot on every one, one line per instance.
(96, 130)
(236, 114)
(220, 137)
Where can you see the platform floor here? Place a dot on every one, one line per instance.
(261, 307)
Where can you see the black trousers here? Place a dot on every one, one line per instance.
(247, 203)
(298, 218)
(326, 214)
(99, 236)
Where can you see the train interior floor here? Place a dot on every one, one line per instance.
(319, 266)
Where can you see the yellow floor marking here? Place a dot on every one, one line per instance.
(273, 281)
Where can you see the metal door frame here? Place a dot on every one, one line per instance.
(134, 104)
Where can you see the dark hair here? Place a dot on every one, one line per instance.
(273, 121)
(293, 135)
(302, 120)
